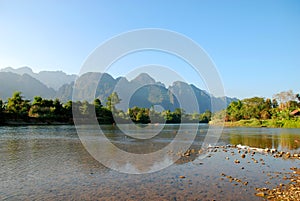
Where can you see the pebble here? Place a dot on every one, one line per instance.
(260, 194)
(293, 168)
(287, 190)
(290, 191)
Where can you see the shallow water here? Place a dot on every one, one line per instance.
(50, 162)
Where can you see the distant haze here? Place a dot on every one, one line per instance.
(143, 89)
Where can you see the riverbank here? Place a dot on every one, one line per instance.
(34, 121)
(270, 123)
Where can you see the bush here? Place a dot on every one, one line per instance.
(292, 123)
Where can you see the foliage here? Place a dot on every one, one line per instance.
(112, 100)
(205, 117)
(17, 106)
(1, 111)
(172, 117)
(256, 111)
(139, 115)
(263, 112)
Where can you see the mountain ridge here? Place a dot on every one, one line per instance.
(142, 91)
(52, 79)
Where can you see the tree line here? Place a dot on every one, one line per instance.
(256, 111)
(259, 111)
(39, 110)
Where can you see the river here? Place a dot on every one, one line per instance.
(51, 163)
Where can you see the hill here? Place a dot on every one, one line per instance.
(142, 91)
(52, 79)
(28, 85)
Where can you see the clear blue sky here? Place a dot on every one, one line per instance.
(254, 44)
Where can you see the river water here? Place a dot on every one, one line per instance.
(51, 163)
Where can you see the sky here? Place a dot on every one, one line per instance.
(255, 45)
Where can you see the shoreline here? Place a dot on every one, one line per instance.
(255, 123)
(33, 122)
(225, 124)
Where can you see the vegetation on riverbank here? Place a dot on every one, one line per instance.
(270, 123)
(17, 110)
(283, 112)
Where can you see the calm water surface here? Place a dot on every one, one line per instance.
(50, 163)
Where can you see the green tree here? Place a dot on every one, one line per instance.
(139, 115)
(17, 105)
(234, 111)
(112, 100)
(292, 105)
(177, 114)
(205, 117)
(268, 104)
(252, 107)
(298, 97)
(1, 106)
(173, 117)
(275, 103)
(167, 116)
(143, 116)
(266, 109)
(58, 108)
(1, 111)
(37, 100)
(105, 116)
(67, 109)
(98, 106)
(45, 108)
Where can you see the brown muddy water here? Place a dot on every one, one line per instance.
(50, 163)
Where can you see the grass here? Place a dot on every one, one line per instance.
(270, 123)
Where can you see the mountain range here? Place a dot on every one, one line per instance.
(142, 91)
(52, 79)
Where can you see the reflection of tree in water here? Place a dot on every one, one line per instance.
(261, 141)
(289, 141)
(13, 148)
(281, 141)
